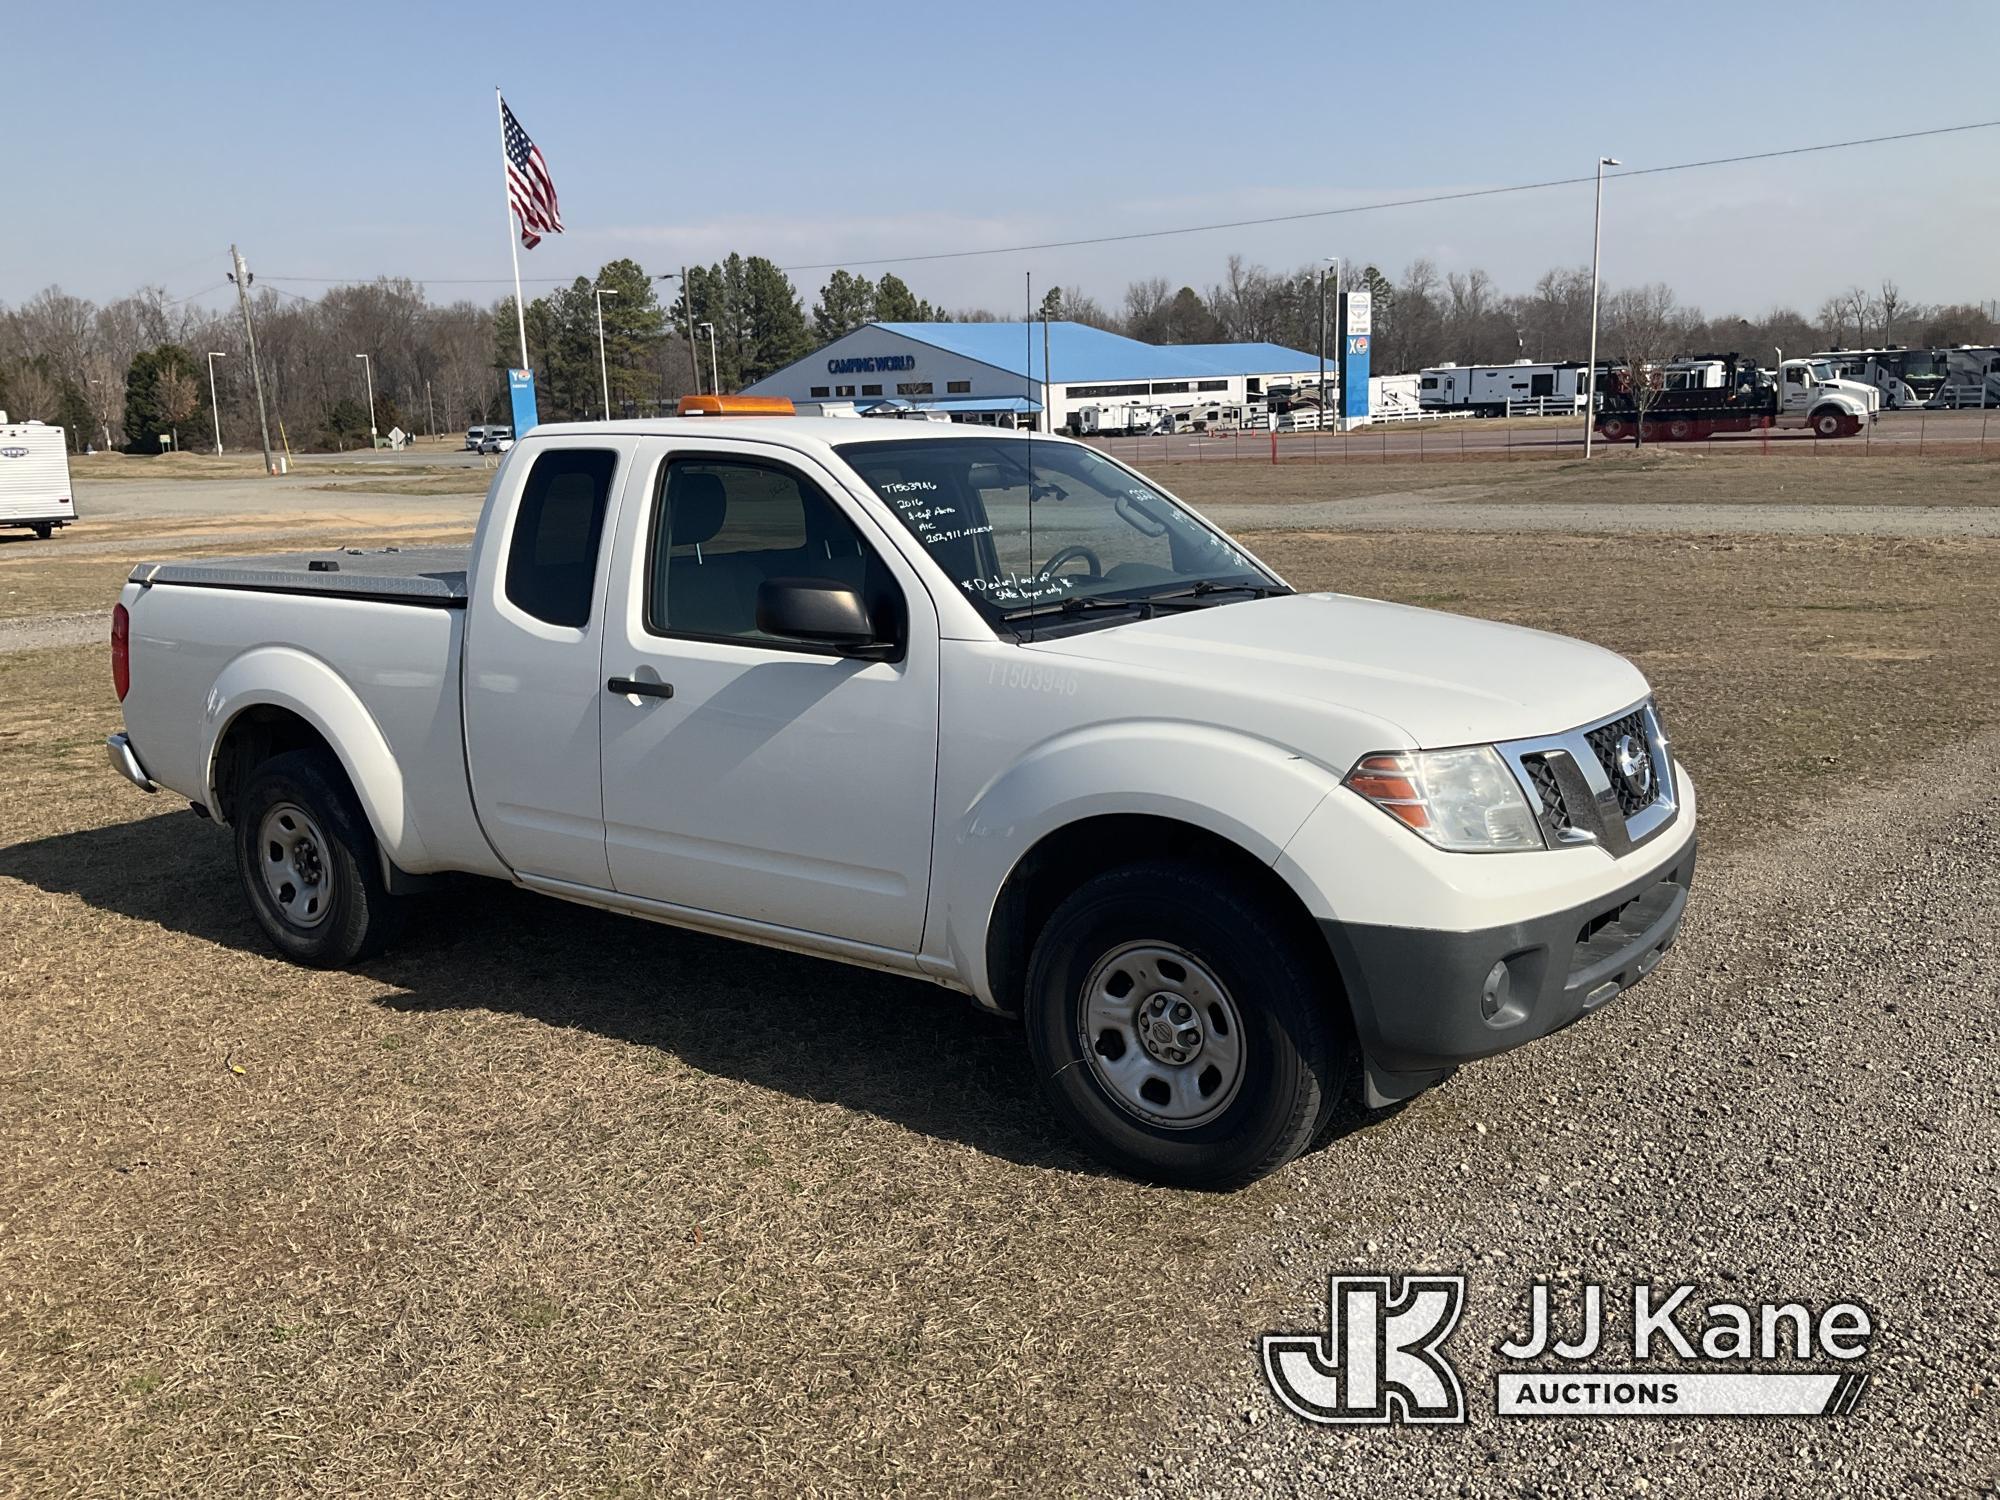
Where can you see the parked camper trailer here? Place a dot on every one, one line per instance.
(1496, 390)
(34, 477)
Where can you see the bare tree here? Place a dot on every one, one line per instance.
(1891, 303)
(178, 394)
(1646, 327)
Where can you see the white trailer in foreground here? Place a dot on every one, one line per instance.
(34, 477)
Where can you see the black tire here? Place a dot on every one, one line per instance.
(45, 529)
(346, 913)
(1295, 1053)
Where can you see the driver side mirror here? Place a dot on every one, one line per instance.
(821, 612)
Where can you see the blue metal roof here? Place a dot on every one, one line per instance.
(1256, 358)
(1081, 353)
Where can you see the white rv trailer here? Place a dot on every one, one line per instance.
(1494, 390)
(34, 477)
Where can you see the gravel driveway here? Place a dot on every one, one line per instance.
(1804, 1105)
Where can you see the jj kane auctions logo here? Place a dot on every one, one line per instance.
(1382, 1357)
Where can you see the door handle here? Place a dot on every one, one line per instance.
(624, 685)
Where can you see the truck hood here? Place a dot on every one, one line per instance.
(1443, 679)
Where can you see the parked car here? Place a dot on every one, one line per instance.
(496, 441)
(985, 709)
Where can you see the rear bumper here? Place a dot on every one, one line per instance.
(1425, 1001)
(125, 761)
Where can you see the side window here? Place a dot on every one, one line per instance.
(552, 562)
(723, 527)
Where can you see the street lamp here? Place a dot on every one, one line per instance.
(214, 407)
(1590, 375)
(687, 308)
(714, 379)
(368, 373)
(1334, 261)
(603, 370)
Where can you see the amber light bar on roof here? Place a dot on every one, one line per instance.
(736, 406)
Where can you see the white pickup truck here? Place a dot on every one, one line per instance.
(985, 709)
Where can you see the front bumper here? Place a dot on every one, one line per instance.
(125, 761)
(1425, 1001)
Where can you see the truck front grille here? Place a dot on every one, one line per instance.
(1609, 784)
(1554, 809)
(1624, 751)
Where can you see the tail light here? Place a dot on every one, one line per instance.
(121, 651)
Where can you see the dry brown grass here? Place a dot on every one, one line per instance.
(1659, 476)
(555, 1202)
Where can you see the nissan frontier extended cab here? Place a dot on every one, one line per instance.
(981, 708)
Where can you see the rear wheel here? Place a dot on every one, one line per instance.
(1681, 430)
(309, 863)
(1182, 1032)
(1613, 429)
(45, 529)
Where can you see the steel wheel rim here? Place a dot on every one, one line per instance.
(292, 858)
(1162, 1035)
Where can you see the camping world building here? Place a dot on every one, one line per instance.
(993, 373)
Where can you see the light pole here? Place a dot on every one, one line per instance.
(603, 370)
(1590, 375)
(714, 380)
(1334, 261)
(368, 374)
(687, 309)
(214, 407)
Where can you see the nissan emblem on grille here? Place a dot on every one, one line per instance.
(1635, 765)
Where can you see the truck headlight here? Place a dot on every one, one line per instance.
(1463, 800)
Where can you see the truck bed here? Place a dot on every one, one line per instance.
(425, 576)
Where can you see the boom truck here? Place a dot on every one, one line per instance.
(1697, 398)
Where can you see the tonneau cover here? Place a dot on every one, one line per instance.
(433, 576)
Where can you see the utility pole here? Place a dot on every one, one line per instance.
(241, 276)
(431, 411)
(368, 373)
(687, 306)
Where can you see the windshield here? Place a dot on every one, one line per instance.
(1822, 371)
(1027, 527)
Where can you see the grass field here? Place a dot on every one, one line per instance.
(553, 1202)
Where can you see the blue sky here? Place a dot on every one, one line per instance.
(351, 141)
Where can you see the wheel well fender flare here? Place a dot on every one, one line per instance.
(299, 684)
(1227, 791)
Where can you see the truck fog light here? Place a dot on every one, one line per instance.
(1496, 992)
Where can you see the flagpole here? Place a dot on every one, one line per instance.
(513, 236)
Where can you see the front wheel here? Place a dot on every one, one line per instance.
(1829, 424)
(1182, 1032)
(309, 863)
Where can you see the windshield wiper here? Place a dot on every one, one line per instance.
(1209, 586)
(1077, 605)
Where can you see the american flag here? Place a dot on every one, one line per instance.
(529, 187)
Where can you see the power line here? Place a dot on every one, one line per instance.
(1259, 223)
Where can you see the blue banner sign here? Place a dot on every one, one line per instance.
(521, 392)
(1357, 320)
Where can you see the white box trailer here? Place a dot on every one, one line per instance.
(1494, 390)
(34, 477)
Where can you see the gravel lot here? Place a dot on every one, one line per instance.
(1805, 1105)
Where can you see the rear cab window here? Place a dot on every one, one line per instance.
(558, 537)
